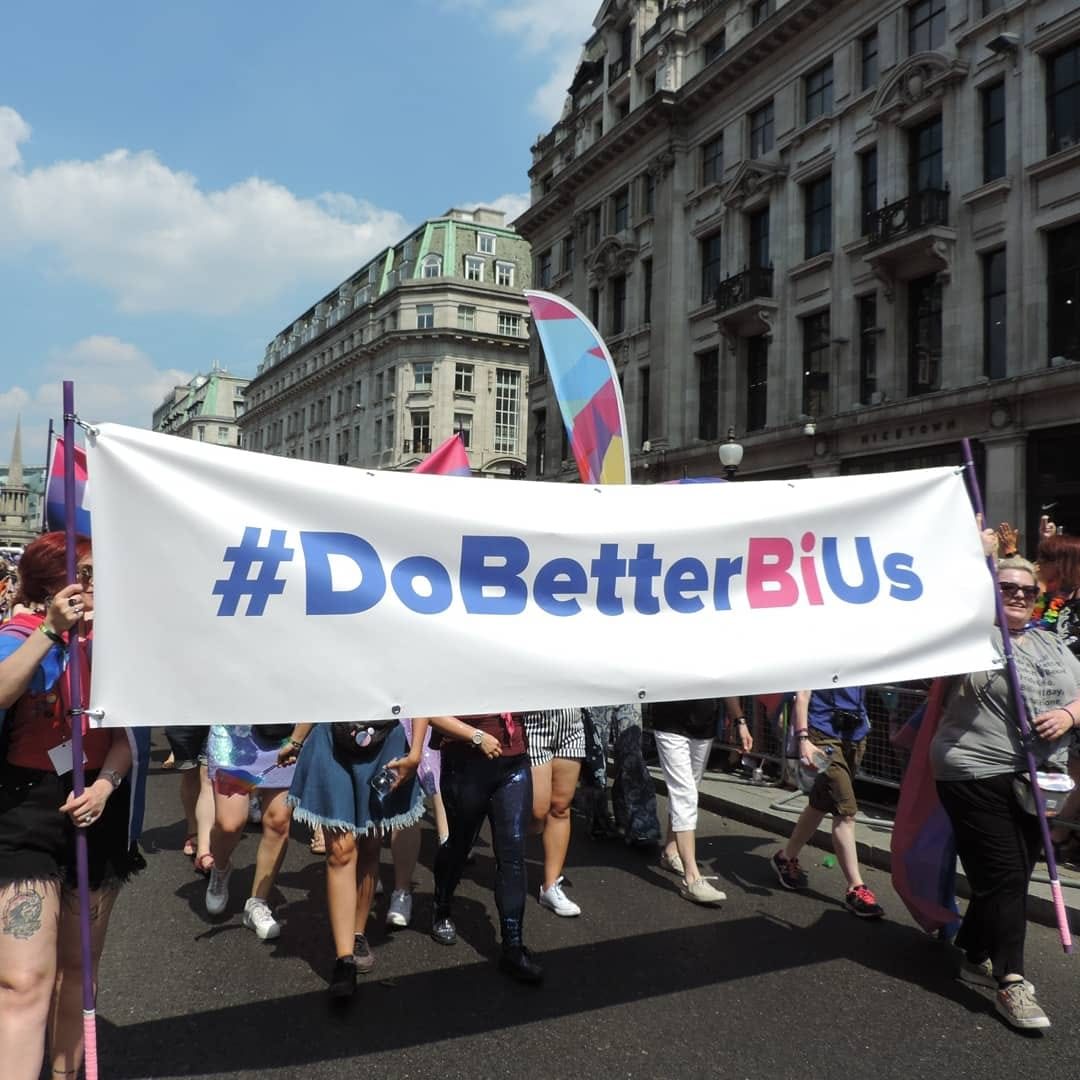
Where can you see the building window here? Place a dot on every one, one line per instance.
(818, 223)
(506, 410)
(474, 268)
(926, 161)
(617, 291)
(466, 317)
(648, 194)
(463, 378)
(620, 205)
(378, 391)
(994, 346)
(1063, 99)
(924, 333)
(463, 427)
(389, 432)
(761, 130)
(431, 266)
(712, 161)
(715, 46)
(222, 434)
(485, 243)
(990, 6)
(993, 125)
(568, 253)
(708, 394)
(543, 269)
(868, 335)
(646, 291)
(643, 403)
(596, 226)
(760, 10)
(710, 266)
(818, 93)
(759, 239)
(815, 330)
(594, 307)
(509, 324)
(867, 190)
(504, 274)
(376, 438)
(868, 58)
(425, 316)
(757, 381)
(926, 26)
(1063, 252)
(421, 431)
(540, 441)
(422, 376)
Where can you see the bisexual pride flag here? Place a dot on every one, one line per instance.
(586, 387)
(449, 459)
(54, 495)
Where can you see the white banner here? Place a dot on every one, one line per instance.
(233, 587)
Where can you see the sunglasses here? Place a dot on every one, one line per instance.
(86, 574)
(1010, 588)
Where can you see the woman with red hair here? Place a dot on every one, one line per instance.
(40, 959)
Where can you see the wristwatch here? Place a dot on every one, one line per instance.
(112, 776)
(477, 737)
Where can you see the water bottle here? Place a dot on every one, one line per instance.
(807, 777)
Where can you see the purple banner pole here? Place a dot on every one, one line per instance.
(1022, 718)
(78, 774)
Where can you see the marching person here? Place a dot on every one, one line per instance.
(40, 950)
(486, 773)
(187, 746)
(832, 724)
(556, 741)
(337, 785)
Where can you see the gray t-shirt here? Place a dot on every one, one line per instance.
(978, 736)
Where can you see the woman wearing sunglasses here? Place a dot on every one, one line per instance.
(40, 959)
(976, 756)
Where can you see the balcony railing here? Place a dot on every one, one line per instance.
(616, 69)
(752, 284)
(905, 216)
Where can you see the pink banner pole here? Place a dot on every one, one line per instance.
(1026, 733)
(75, 647)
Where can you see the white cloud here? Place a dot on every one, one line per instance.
(555, 29)
(114, 380)
(159, 242)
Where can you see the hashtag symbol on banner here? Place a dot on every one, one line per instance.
(266, 583)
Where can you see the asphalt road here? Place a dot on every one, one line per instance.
(643, 984)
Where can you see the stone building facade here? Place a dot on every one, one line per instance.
(207, 408)
(427, 339)
(846, 230)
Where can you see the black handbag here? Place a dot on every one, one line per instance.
(357, 741)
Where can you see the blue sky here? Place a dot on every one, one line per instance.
(180, 180)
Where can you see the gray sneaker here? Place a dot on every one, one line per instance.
(217, 890)
(701, 892)
(977, 974)
(362, 954)
(1016, 1003)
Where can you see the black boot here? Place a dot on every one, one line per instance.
(343, 980)
(517, 962)
(442, 926)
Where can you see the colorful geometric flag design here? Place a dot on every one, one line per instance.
(449, 459)
(54, 495)
(587, 389)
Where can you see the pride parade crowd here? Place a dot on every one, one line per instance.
(354, 784)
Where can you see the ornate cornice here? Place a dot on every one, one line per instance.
(920, 78)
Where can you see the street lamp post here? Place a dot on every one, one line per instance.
(731, 453)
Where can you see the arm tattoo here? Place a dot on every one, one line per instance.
(21, 914)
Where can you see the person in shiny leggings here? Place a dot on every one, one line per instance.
(486, 773)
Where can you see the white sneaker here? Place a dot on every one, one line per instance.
(258, 917)
(554, 899)
(255, 812)
(701, 892)
(217, 891)
(400, 911)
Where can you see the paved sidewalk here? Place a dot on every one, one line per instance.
(777, 810)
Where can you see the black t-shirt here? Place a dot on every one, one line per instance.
(695, 719)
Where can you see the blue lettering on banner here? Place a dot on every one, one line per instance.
(495, 577)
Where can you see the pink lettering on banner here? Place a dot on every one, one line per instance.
(768, 583)
(809, 571)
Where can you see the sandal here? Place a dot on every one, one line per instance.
(317, 843)
(190, 842)
(204, 864)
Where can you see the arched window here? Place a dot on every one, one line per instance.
(432, 266)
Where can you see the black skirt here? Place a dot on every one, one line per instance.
(37, 842)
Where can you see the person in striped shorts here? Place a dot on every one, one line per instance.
(556, 739)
